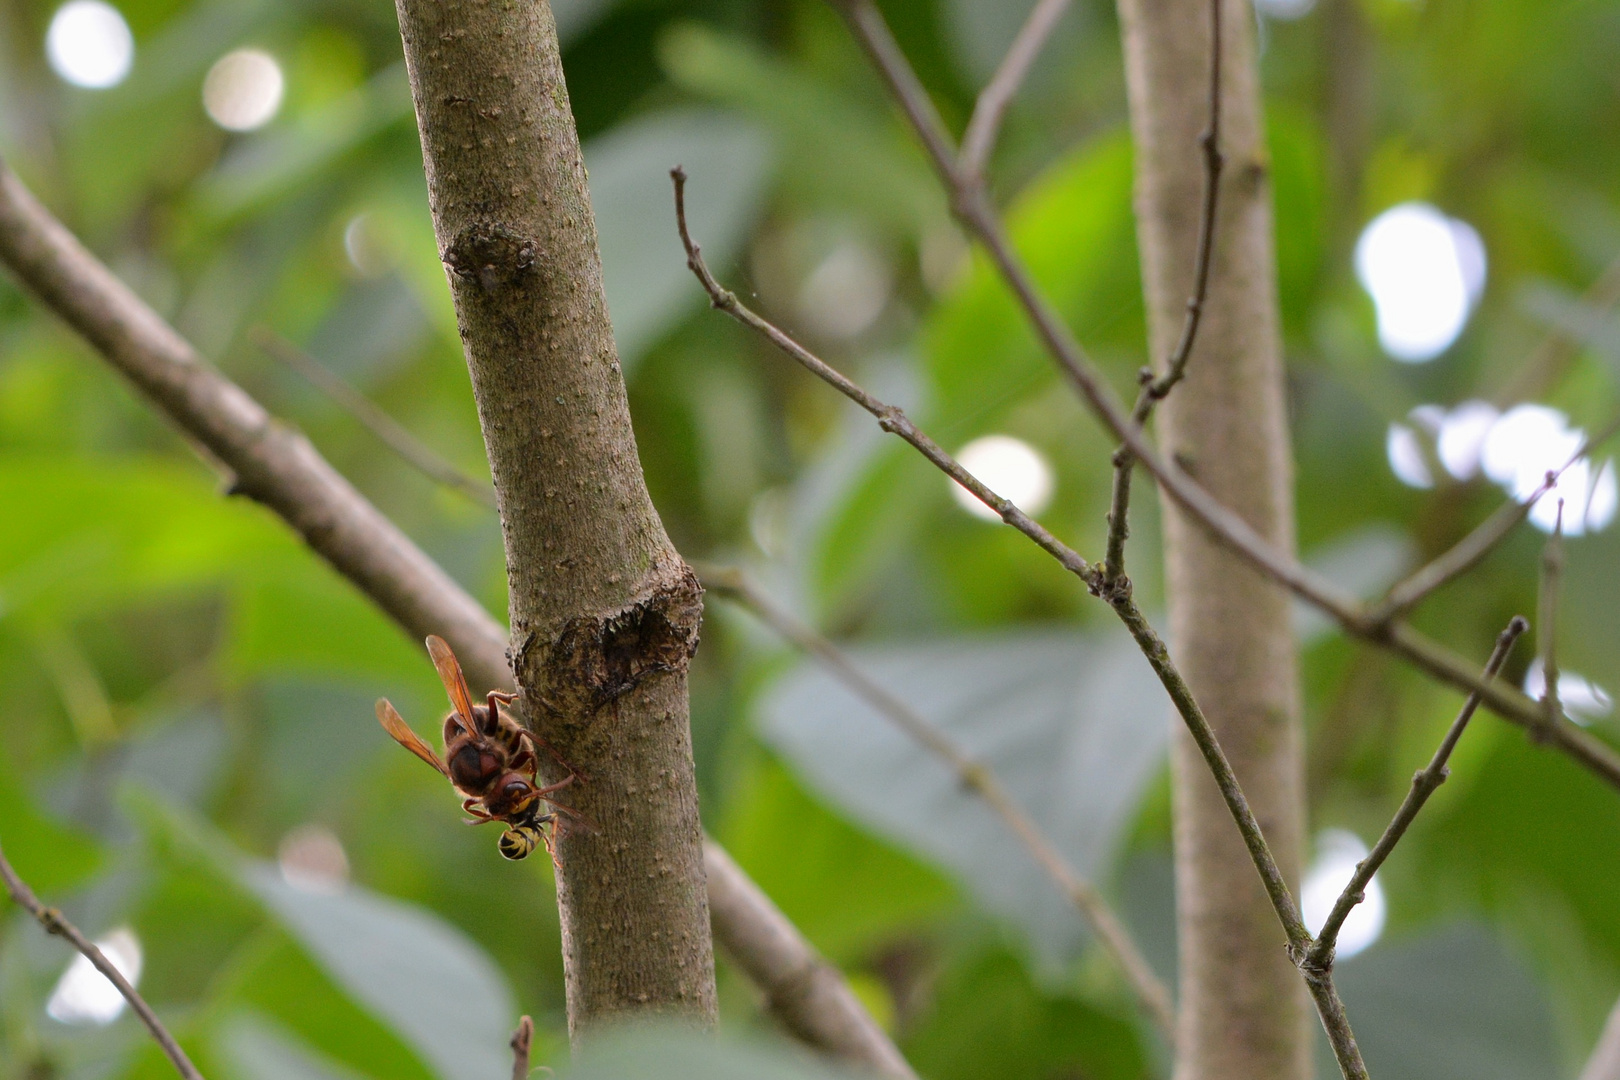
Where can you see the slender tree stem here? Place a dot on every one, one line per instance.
(1156, 389)
(979, 140)
(975, 776)
(605, 615)
(54, 923)
(1424, 784)
(268, 461)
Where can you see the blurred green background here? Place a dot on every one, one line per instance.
(187, 752)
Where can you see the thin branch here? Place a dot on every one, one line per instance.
(890, 417)
(54, 923)
(1604, 1064)
(1424, 784)
(269, 462)
(976, 214)
(1117, 595)
(802, 990)
(985, 124)
(521, 1038)
(1471, 549)
(1552, 573)
(976, 777)
(1155, 390)
(391, 432)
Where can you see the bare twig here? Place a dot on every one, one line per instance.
(1117, 595)
(269, 462)
(1424, 784)
(802, 990)
(54, 923)
(985, 124)
(521, 1038)
(391, 432)
(1604, 1063)
(1552, 572)
(976, 777)
(890, 418)
(976, 214)
(1155, 390)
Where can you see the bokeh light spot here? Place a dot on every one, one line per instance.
(83, 995)
(1583, 700)
(1337, 853)
(1424, 272)
(89, 44)
(1011, 468)
(1462, 437)
(846, 292)
(1406, 458)
(311, 858)
(1529, 441)
(243, 89)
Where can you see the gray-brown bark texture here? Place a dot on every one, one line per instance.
(1244, 1012)
(604, 613)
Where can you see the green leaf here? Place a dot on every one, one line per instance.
(438, 991)
(1454, 1005)
(262, 1050)
(1073, 227)
(989, 1019)
(52, 858)
(1073, 725)
(842, 888)
(839, 152)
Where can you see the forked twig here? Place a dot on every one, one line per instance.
(979, 139)
(1424, 784)
(976, 777)
(1118, 597)
(54, 923)
(391, 432)
(1471, 549)
(979, 218)
(1155, 390)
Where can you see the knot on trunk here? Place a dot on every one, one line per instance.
(491, 254)
(594, 660)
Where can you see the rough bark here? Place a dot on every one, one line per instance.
(604, 613)
(1244, 1012)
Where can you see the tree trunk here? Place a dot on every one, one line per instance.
(604, 613)
(1244, 1012)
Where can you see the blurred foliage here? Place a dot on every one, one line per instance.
(187, 690)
